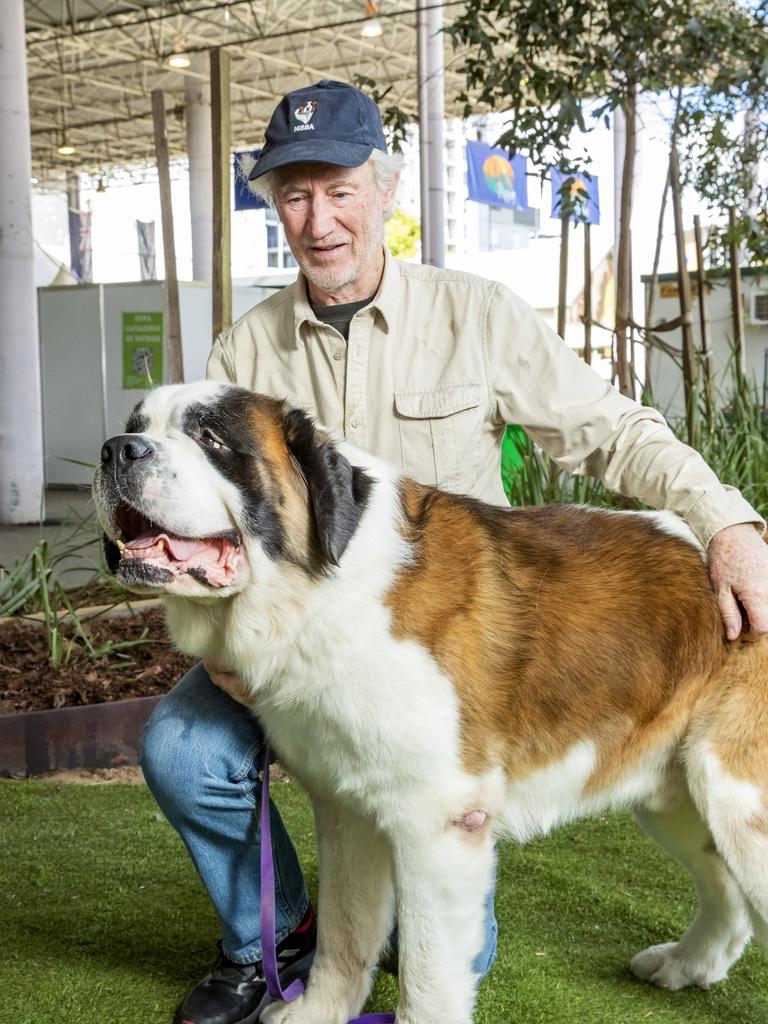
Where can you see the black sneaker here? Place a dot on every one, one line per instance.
(237, 993)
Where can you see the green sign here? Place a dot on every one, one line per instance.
(142, 350)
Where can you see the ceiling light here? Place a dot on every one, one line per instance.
(371, 27)
(66, 148)
(179, 59)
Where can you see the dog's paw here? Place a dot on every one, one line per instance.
(666, 967)
(282, 1013)
(302, 1011)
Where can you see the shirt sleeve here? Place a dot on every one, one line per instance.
(219, 365)
(587, 427)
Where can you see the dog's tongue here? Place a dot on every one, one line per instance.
(181, 548)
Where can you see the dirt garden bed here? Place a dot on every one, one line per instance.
(76, 691)
(30, 682)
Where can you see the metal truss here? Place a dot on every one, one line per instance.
(92, 65)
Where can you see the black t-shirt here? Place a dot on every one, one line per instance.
(340, 315)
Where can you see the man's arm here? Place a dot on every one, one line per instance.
(589, 428)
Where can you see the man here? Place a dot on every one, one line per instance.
(423, 367)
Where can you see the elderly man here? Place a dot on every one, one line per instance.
(423, 367)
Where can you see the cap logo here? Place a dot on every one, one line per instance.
(304, 114)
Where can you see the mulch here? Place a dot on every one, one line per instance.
(29, 682)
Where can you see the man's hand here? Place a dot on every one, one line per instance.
(738, 568)
(228, 682)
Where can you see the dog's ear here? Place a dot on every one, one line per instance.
(338, 491)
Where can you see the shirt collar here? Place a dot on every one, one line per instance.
(385, 301)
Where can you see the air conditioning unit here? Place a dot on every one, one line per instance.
(757, 304)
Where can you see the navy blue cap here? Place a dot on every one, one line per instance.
(329, 122)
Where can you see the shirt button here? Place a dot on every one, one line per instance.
(337, 355)
(354, 424)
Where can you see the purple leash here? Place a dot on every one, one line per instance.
(267, 915)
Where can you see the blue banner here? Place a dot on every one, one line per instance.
(80, 245)
(494, 177)
(245, 199)
(584, 195)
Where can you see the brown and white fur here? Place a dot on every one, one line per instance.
(439, 674)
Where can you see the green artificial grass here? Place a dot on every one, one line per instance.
(105, 921)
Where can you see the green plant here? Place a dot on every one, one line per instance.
(33, 587)
(402, 232)
(734, 443)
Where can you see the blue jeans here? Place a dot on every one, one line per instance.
(201, 752)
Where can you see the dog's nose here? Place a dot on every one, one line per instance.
(126, 448)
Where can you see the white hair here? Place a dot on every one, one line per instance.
(386, 167)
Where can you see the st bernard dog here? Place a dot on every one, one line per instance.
(439, 674)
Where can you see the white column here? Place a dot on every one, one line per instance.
(430, 43)
(198, 99)
(21, 434)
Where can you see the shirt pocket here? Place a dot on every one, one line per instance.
(437, 427)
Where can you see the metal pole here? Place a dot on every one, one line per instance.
(421, 55)
(431, 117)
(21, 429)
(197, 91)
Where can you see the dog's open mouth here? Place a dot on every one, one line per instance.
(150, 553)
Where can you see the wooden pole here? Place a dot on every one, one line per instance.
(684, 286)
(173, 318)
(737, 306)
(587, 294)
(706, 344)
(221, 156)
(563, 288)
(623, 263)
(651, 300)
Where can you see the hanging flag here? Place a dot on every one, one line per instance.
(80, 245)
(245, 198)
(495, 178)
(583, 192)
(145, 231)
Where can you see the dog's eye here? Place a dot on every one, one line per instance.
(210, 441)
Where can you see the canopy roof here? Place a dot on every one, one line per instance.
(92, 65)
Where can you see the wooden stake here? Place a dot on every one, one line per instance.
(706, 344)
(173, 318)
(737, 306)
(623, 270)
(684, 286)
(587, 295)
(651, 300)
(221, 157)
(562, 292)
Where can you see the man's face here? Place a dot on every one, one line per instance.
(334, 223)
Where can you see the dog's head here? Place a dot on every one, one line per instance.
(212, 485)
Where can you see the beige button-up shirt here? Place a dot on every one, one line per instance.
(438, 363)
